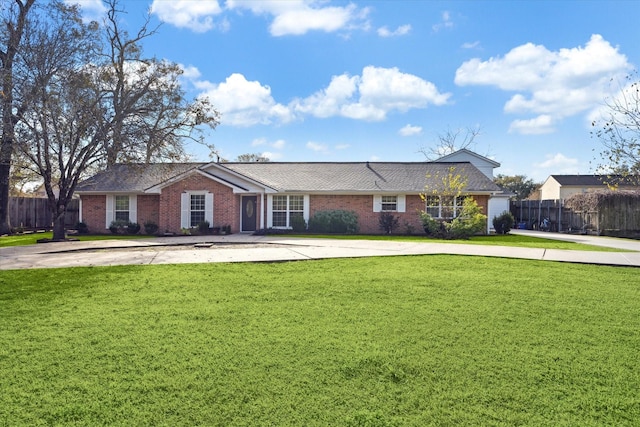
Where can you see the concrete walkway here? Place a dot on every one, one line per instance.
(248, 248)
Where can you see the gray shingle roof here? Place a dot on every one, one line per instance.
(133, 178)
(337, 177)
(593, 180)
(358, 176)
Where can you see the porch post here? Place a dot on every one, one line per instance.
(262, 210)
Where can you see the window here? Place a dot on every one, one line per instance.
(283, 208)
(390, 203)
(443, 206)
(197, 210)
(121, 209)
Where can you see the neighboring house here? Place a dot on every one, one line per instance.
(559, 187)
(258, 195)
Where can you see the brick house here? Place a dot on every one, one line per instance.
(253, 196)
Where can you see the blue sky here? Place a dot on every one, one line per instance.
(376, 80)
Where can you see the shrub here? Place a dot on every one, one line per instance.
(503, 223)
(432, 226)
(334, 221)
(82, 228)
(118, 226)
(470, 221)
(387, 222)
(124, 227)
(150, 227)
(133, 228)
(203, 227)
(298, 224)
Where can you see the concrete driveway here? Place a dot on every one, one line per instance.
(248, 248)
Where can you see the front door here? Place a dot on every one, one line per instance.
(249, 213)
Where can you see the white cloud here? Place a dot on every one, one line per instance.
(92, 10)
(410, 130)
(271, 156)
(342, 146)
(400, 31)
(297, 17)
(245, 103)
(315, 146)
(536, 126)
(278, 145)
(194, 15)
(555, 164)
(445, 23)
(371, 96)
(471, 45)
(557, 84)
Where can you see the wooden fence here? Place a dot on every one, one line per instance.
(34, 213)
(531, 215)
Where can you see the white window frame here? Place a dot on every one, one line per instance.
(437, 209)
(185, 208)
(111, 208)
(288, 211)
(378, 203)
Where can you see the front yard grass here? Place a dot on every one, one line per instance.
(403, 341)
(32, 238)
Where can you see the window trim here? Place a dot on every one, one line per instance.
(185, 208)
(400, 203)
(457, 205)
(288, 211)
(111, 208)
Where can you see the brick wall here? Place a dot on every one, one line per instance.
(368, 220)
(226, 205)
(148, 210)
(94, 212)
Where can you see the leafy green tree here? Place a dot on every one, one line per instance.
(519, 185)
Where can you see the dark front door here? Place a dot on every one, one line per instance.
(249, 213)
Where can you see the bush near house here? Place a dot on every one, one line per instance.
(469, 222)
(388, 222)
(503, 223)
(334, 221)
(124, 227)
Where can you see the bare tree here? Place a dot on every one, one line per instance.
(619, 132)
(60, 131)
(84, 113)
(252, 157)
(150, 117)
(450, 141)
(14, 21)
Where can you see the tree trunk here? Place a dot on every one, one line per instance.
(5, 224)
(59, 215)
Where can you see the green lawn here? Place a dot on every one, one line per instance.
(402, 341)
(32, 239)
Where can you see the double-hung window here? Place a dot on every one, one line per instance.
(197, 210)
(284, 208)
(121, 208)
(443, 206)
(389, 203)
